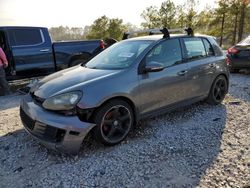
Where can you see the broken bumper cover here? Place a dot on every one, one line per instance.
(56, 131)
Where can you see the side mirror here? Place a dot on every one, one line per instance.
(153, 66)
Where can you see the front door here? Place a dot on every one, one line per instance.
(161, 89)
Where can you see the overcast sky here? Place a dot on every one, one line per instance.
(76, 13)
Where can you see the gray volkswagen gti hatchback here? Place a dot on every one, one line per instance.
(131, 80)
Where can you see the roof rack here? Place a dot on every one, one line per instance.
(166, 32)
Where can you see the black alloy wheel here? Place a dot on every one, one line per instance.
(218, 90)
(114, 121)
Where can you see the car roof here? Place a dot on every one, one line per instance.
(160, 36)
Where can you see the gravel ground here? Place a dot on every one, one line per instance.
(200, 145)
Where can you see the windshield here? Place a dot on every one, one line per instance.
(119, 56)
(246, 41)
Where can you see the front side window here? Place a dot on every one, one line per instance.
(24, 37)
(167, 53)
(119, 56)
(195, 48)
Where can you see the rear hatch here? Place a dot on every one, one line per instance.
(243, 51)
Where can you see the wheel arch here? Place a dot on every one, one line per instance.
(221, 74)
(126, 99)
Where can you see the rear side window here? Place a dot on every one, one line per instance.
(20, 37)
(168, 53)
(208, 47)
(195, 48)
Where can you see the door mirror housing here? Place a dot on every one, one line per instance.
(153, 66)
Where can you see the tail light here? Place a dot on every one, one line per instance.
(232, 50)
(102, 44)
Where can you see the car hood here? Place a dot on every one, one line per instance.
(68, 80)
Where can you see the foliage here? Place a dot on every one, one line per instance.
(65, 33)
(151, 17)
(228, 21)
(167, 13)
(105, 27)
(99, 28)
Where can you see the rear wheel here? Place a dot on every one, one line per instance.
(218, 90)
(114, 121)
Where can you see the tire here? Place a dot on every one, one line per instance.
(114, 120)
(218, 90)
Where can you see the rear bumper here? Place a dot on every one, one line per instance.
(58, 132)
(239, 63)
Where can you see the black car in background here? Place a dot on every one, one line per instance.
(238, 56)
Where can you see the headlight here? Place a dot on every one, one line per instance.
(66, 101)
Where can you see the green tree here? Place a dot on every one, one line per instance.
(191, 12)
(130, 27)
(65, 33)
(221, 12)
(234, 10)
(204, 18)
(246, 24)
(104, 27)
(244, 10)
(180, 16)
(99, 29)
(116, 28)
(167, 14)
(151, 17)
(228, 20)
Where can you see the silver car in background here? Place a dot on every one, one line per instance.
(133, 79)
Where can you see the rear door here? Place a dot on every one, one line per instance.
(169, 86)
(32, 51)
(199, 56)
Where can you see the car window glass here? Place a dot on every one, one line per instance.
(208, 47)
(24, 36)
(167, 53)
(195, 48)
(119, 56)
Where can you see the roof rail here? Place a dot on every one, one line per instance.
(166, 32)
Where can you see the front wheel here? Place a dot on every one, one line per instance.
(218, 90)
(113, 121)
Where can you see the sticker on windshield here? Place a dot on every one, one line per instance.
(126, 54)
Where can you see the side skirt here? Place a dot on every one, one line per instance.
(171, 107)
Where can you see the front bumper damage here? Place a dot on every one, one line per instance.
(55, 131)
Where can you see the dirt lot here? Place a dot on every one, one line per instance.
(200, 145)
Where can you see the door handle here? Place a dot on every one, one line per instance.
(182, 73)
(44, 50)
